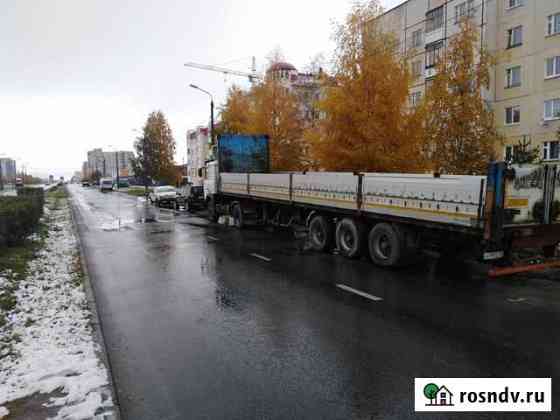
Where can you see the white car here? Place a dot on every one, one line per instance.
(106, 184)
(165, 195)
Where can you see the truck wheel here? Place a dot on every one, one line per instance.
(321, 233)
(349, 238)
(385, 245)
(237, 214)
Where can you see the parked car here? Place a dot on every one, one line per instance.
(192, 197)
(85, 184)
(106, 184)
(19, 183)
(164, 196)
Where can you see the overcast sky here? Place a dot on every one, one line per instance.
(79, 74)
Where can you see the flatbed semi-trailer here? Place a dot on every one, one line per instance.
(394, 217)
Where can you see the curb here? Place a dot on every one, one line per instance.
(96, 322)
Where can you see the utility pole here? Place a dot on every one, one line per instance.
(212, 120)
(117, 166)
(211, 112)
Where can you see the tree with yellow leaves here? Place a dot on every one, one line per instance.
(268, 108)
(460, 129)
(235, 113)
(368, 124)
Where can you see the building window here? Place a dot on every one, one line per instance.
(416, 68)
(510, 152)
(513, 115)
(464, 9)
(552, 109)
(433, 54)
(417, 38)
(515, 37)
(434, 19)
(551, 150)
(553, 26)
(415, 98)
(513, 77)
(552, 67)
(512, 4)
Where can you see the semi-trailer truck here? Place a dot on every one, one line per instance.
(508, 218)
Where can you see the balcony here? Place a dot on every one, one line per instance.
(434, 36)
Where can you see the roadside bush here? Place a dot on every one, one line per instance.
(35, 192)
(19, 217)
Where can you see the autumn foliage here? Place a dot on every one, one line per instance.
(268, 108)
(366, 120)
(367, 124)
(154, 151)
(460, 128)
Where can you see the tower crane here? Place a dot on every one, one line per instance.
(252, 76)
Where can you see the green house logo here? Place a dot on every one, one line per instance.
(438, 396)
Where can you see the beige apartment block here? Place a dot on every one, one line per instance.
(523, 35)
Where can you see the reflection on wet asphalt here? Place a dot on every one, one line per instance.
(203, 321)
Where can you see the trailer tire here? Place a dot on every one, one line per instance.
(386, 245)
(321, 233)
(237, 214)
(350, 238)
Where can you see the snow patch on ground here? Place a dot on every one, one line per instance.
(56, 349)
(4, 412)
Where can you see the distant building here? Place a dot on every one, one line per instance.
(306, 86)
(7, 170)
(197, 154)
(124, 163)
(105, 163)
(96, 161)
(86, 172)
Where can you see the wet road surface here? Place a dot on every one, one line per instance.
(203, 321)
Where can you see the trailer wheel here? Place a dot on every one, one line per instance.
(350, 238)
(321, 233)
(385, 245)
(237, 214)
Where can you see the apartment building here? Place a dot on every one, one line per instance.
(123, 159)
(524, 36)
(197, 153)
(7, 170)
(306, 86)
(105, 163)
(96, 161)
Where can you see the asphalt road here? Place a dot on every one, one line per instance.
(207, 322)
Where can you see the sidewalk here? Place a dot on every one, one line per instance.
(52, 364)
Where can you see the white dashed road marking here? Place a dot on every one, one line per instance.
(360, 293)
(261, 257)
(213, 238)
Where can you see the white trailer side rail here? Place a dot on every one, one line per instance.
(456, 200)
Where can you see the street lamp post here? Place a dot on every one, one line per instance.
(211, 111)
